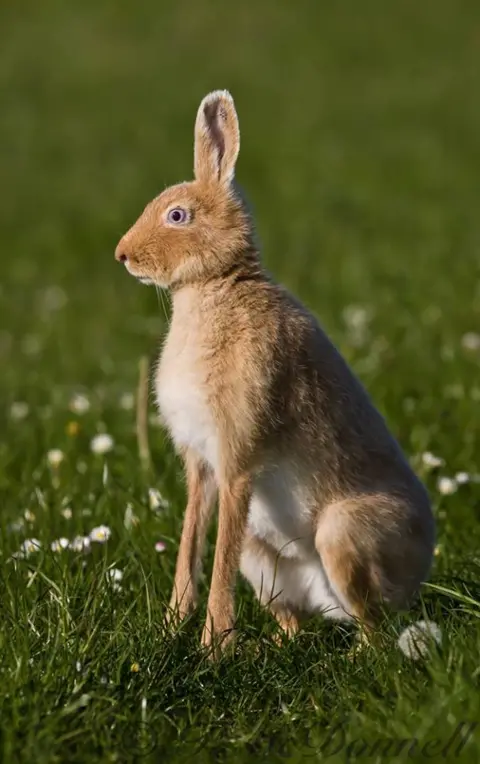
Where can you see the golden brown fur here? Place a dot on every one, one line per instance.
(266, 411)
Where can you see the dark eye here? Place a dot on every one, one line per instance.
(177, 215)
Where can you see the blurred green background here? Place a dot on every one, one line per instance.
(360, 154)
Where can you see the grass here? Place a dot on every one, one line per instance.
(360, 153)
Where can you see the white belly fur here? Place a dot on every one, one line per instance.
(279, 514)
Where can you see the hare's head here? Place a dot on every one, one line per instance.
(201, 229)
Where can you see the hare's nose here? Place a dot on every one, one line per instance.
(120, 254)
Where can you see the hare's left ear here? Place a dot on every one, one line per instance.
(217, 139)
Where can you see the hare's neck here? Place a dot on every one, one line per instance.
(186, 304)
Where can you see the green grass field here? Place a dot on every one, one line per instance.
(361, 155)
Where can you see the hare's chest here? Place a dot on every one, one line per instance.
(182, 398)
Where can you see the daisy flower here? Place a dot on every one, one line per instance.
(100, 534)
(28, 547)
(80, 544)
(130, 518)
(156, 500)
(447, 485)
(416, 640)
(59, 544)
(431, 461)
(101, 443)
(79, 404)
(55, 457)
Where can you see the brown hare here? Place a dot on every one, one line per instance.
(318, 507)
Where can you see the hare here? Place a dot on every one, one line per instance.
(317, 506)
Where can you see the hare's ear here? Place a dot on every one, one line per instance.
(217, 138)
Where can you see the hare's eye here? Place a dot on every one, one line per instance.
(177, 215)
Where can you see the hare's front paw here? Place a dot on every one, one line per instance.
(180, 608)
(218, 635)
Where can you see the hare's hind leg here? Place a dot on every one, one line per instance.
(376, 550)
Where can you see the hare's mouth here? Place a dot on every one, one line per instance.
(145, 280)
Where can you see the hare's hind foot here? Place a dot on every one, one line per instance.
(287, 620)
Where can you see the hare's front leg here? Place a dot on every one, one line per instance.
(201, 489)
(234, 501)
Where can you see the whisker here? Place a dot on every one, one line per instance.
(160, 298)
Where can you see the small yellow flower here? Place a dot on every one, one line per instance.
(135, 668)
(72, 428)
(438, 550)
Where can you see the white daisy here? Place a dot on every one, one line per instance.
(59, 544)
(79, 403)
(101, 443)
(100, 534)
(115, 575)
(156, 499)
(55, 457)
(19, 410)
(462, 478)
(431, 461)
(130, 518)
(28, 547)
(415, 641)
(447, 485)
(80, 544)
(160, 546)
(67, 513)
